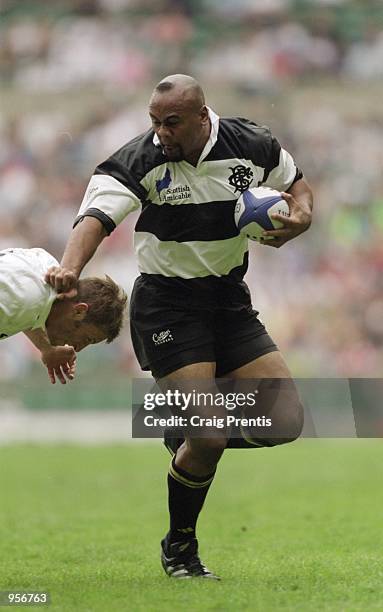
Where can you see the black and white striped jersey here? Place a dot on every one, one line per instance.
(186, 228)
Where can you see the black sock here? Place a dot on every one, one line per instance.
(186, 497)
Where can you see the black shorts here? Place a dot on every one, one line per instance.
(168, 334)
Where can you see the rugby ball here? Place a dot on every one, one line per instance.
(252, 213)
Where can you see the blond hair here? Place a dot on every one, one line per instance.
(107, 303)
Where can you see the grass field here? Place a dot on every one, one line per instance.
(292, 528)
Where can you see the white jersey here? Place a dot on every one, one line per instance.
(25, 298)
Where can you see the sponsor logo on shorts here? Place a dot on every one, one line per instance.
(162, 337)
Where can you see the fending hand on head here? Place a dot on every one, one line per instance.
(64, 281)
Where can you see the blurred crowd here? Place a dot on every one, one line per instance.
(76, 77)
(249, 43)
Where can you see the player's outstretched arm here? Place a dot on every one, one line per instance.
(300, 200)
(81, 246)
(59, 360)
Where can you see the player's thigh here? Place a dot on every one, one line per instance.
(277, 396)
(270, 376)
(270, 365)
(194, 371)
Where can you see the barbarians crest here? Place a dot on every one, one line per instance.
(241, 178)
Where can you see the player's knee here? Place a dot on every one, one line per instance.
(208, 449)
(285, 425)
(288, 425)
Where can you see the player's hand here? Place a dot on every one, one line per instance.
(60, 362)
(63, 280)
(298, 222)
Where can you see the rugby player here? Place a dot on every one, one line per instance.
(191, 312)
(58, 327)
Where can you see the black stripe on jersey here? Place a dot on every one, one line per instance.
(112, 167)
(132, 162)
(275, 154)
(244, 139)
(107, 222)
(186, 222)
(298, 176)
(200, 292)
(274, 161)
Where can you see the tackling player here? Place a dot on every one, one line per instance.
(57, 327)
(191, 313)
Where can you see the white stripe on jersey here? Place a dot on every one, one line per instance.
(110, 196)
(282, 176)
(194, 259)
(206, 183)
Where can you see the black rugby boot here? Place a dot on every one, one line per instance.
(181, 560)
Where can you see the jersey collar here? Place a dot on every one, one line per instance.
(214, 120)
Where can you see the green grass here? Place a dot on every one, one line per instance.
(292, 528)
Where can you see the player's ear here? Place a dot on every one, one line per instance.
(204, 113)
(80, 310)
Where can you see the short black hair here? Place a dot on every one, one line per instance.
(186, 83)
(164, 86)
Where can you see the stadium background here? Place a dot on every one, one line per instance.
(76, 79)
(76, 76)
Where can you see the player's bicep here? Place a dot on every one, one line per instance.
(108, 200)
